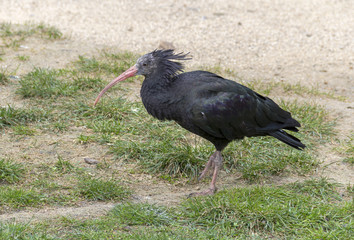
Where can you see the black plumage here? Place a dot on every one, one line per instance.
(208, 105)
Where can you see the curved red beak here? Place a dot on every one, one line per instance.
(131, 72)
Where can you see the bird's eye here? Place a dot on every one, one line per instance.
(144, 64)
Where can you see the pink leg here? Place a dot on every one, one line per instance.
(207, 166)
(216, 161)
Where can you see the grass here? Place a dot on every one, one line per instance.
(63, 166)
(272, 210)
(10, 171)
(24, 130)
(13, 35)
(23, 58)
(254, 157)
(15, 197)
(44, 83)
(63, 98)
(141, 214)
(109, 63)
(291, 211)
(10, 116)
(58, 108)
(163, 147)
(102, 190)
(4, 75)
(347, 150)
(3, 78)
(21, 231)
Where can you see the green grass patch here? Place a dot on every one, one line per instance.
(45, 83)
(13, 230)
(259, 158)
(10, 116)
(85, 83)
(84, 139)
(87, 74)
(10, 171)
(96, 189)
(16, 197)
(321, 189)
(141, 214)
(63, 166)
(23, 130)
(278, 211)
(291, 211)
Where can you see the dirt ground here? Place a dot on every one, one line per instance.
(310, 42)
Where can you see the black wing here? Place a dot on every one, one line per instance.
(226, 109)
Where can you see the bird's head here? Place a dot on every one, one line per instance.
(158, 61)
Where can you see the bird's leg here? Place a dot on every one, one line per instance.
(207, 166)
(216, 161)
(217, 165)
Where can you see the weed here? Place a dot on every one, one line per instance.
(321, 189)
(141, 214)
(10, 116)
(84, 139)
(108, 63)
(347, 150)
(23, 58)
(18, 197)
(63, 166)
(271, 210)
(60, 125)
(10, 171)
(49, 31)
(44, 83)
(281, 212)
(3, 78)
(13, 230)
(13, 35)
(84, 83)
(5, 29)
(102, 190)
(23, 130)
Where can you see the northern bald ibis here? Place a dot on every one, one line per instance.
(208, 105)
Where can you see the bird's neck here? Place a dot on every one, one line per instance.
(156, 95)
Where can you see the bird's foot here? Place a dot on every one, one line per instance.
(209, 192)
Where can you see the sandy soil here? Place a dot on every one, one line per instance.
(304, 41)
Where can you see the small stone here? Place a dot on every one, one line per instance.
(90, 161)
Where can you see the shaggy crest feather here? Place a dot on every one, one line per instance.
(172, 68)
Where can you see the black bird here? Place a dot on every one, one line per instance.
(208, 105)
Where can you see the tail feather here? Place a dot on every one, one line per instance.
(288, 139)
